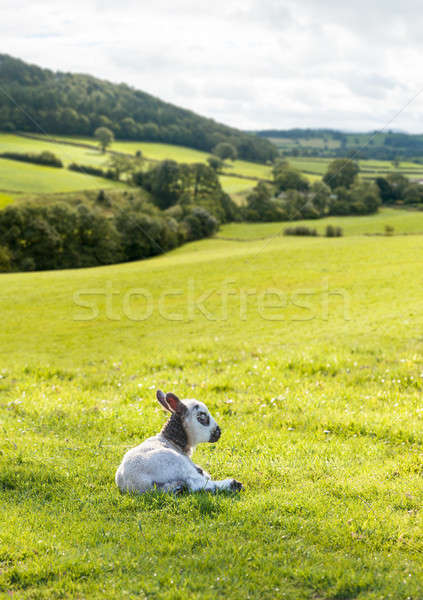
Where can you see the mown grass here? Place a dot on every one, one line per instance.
(321, 412)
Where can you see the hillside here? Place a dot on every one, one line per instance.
(40, 100)
(387, 145)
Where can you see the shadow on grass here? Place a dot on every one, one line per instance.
(31, 480)
(201, 503)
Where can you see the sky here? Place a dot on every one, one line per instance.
(252, 64)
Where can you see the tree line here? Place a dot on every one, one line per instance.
(292, 197)
(74, 104)
(180, 203)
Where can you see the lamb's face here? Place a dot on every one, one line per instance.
(199, 424)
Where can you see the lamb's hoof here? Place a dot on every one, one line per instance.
(236, 486)
(180, 488)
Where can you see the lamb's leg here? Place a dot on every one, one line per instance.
(196, 484)
(173, 487)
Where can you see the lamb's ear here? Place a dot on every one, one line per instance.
(175, 404)
(162, 399)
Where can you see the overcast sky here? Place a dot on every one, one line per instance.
(253, 64)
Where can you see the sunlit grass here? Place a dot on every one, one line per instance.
(319, 399)
(16, 176)
(403, 222)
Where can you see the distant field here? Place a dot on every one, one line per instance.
(403, 221)
(19, 178)
(369, 169)
(68, 154)
(236, 184)
(86, 156)
(180, 154)
(34, 179)
(328, 141)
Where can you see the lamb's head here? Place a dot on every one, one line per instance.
(189, 417)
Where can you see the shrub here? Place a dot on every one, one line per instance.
(200, 224)
(103, 199)
(300, 230)
(332, 231)
(87, 170)
(45, 158)
(389, 230)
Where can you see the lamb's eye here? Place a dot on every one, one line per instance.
(203, 419)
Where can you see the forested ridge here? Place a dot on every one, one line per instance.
(77, 104)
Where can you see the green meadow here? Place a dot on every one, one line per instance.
(369, 169)
(308, 352)
(155, 151)
(66, 181)
(403, 222)
(28, 178)
(23, 178)
(67, 153)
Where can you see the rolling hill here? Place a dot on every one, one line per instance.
(382, 145)
(39, 100)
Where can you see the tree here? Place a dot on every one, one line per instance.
(364, 198)
(164, 182)
(104, 136)
(120, 164)
(215, 163)
(224, 150)
(320, 193)
(341, 172)
(386, 191)
(260, 206)
(413, 194)
(287, 178)
(200, 224)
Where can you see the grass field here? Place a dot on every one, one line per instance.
(403, 222)
(313, 168)
(319, 400)
(35, 179)
(87, 156)
(369, 169)
(182, 154)
(67, 153)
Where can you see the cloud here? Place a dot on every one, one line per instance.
(251, 63)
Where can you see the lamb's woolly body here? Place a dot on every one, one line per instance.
(163, 461)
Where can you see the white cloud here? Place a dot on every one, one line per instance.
(251, 63)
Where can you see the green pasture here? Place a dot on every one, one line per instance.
(155, 151)
(403, 222)
(308, 352)
(67, 153)
(91, 156)
(28, 178)
(18, 177)
(368, 168)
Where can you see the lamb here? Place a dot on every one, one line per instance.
(163, 461)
